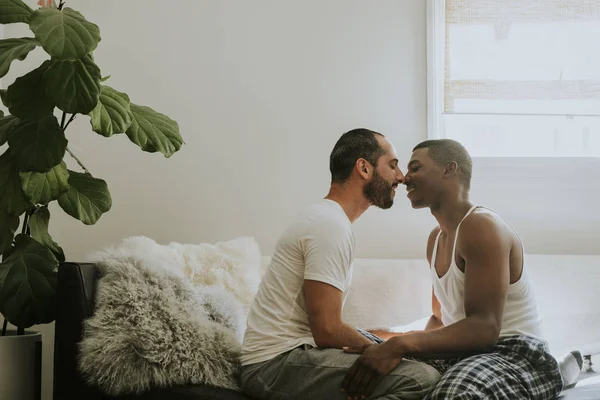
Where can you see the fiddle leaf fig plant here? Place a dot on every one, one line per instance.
(41, 105)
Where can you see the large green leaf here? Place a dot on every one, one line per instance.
(14, 49)
(12, 11)
(37, 145)
(64, 34)
(12, 198)
(8, 225)
(42, 188)
(73, 85)
(38, 223)
(112, 113)
(26, 97)
(153, 131)
(7, 124)
(87, 198)
(28, 284)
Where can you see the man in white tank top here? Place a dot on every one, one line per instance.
(485, 332)
(292, 345)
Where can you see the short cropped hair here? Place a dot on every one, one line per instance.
(352, 145)
(445, 151)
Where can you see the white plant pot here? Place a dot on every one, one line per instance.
(20, 366)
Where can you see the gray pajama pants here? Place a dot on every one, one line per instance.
(308, 373)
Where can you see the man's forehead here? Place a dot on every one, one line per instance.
(388, 147)
(419, 155)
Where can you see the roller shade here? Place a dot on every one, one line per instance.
(522, 57)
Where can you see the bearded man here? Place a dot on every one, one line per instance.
(295, 333)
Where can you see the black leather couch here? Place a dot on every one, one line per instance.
(75, 303)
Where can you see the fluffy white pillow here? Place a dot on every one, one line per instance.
(168, 315)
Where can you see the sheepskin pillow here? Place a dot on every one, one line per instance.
(154, 327)
(233, 265)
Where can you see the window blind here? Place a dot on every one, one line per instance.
(522, 57)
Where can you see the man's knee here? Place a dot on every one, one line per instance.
(429, 378)
(417, 375)
(426, 376)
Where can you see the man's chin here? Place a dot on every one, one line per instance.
(384, 205)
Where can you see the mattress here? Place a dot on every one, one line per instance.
(590, 392)
(587, 388)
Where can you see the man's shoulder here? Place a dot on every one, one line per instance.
(485, 225)
(320, 219)
(483, 218)
(326, 213)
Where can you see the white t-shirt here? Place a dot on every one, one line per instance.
(318, 245)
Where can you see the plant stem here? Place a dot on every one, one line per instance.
(25, 223)
(4, 326)
(20, 331)
(64, 128)
(61, 4)
(78, 161)
(70, 120)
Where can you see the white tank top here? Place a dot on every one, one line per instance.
(520, 311)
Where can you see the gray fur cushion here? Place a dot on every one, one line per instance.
(153, 328)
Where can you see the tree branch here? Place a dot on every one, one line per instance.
(78, 161)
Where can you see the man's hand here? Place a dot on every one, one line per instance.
(375, 363)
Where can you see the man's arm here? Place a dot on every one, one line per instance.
(486, 253)
(487, 273)
(324, 308)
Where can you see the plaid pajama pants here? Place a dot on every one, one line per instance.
(518, 367)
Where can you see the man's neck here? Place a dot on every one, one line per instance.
(451, 211)
(350, 198)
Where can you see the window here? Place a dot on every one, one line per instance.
(515, 78)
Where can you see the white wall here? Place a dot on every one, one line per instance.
(262, 90)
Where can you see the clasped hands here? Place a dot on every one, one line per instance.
(374, 364)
